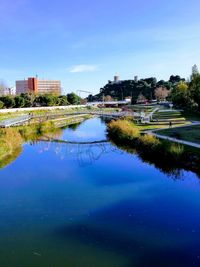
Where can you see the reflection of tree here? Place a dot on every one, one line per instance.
(75, 126)
(173, 169)
(10, 146)
(11, 140)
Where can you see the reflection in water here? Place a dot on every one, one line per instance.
(84, 154)
(117, 211)
(171, 168)
(10, 146)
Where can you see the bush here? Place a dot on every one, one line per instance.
(123, 130)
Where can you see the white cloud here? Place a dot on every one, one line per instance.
(83, 68)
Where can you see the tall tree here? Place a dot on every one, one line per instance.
(195, 89)
(195, 70)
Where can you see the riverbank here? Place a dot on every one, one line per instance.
(12, 139)
(156, 151)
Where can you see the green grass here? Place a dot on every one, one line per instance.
(175, 117)
(146, 127)
(191, 134)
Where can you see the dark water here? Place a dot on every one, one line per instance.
(94, 205)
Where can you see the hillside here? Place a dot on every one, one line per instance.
(133, 88)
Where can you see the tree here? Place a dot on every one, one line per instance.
(161, 93)
(181, 96)
(195, 70)
(195, 89)
(8, 101)
(47, 100)
(175, 79)
(19, 102)
(90, 97)
(29, 99)
(73, 99)
(62, 100)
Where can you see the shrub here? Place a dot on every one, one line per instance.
(123, 130)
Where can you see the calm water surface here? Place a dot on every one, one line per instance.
(94, 205)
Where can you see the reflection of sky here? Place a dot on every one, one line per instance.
(110, 211)
(90, 130)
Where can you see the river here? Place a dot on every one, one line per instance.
(95, 205)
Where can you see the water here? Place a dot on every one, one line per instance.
(95, 205)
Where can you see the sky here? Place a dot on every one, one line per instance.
(84, 43)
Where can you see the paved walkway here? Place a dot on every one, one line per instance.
(195, 123)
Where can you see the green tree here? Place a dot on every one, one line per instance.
(195, 89)
(8, 101)
(46, 100)
(19, 102)
(62, 100)
(29, 99)
(181, 96)
(73, 99)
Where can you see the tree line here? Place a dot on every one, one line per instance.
(142, 89)
(31, 100)
(184, 94)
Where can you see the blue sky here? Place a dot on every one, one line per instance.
(84, 43)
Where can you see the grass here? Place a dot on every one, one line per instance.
(191, 134)
(167, 116)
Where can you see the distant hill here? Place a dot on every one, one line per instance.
(119, 90)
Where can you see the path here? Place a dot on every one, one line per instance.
(153, 132)
(20, 120)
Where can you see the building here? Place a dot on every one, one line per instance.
(6, 91)
(118, 81)
(36, 86)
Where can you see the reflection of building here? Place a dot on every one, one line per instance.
(35, 86)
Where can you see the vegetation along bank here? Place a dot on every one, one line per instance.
(166, 155)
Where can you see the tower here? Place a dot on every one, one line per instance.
(116, 78)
